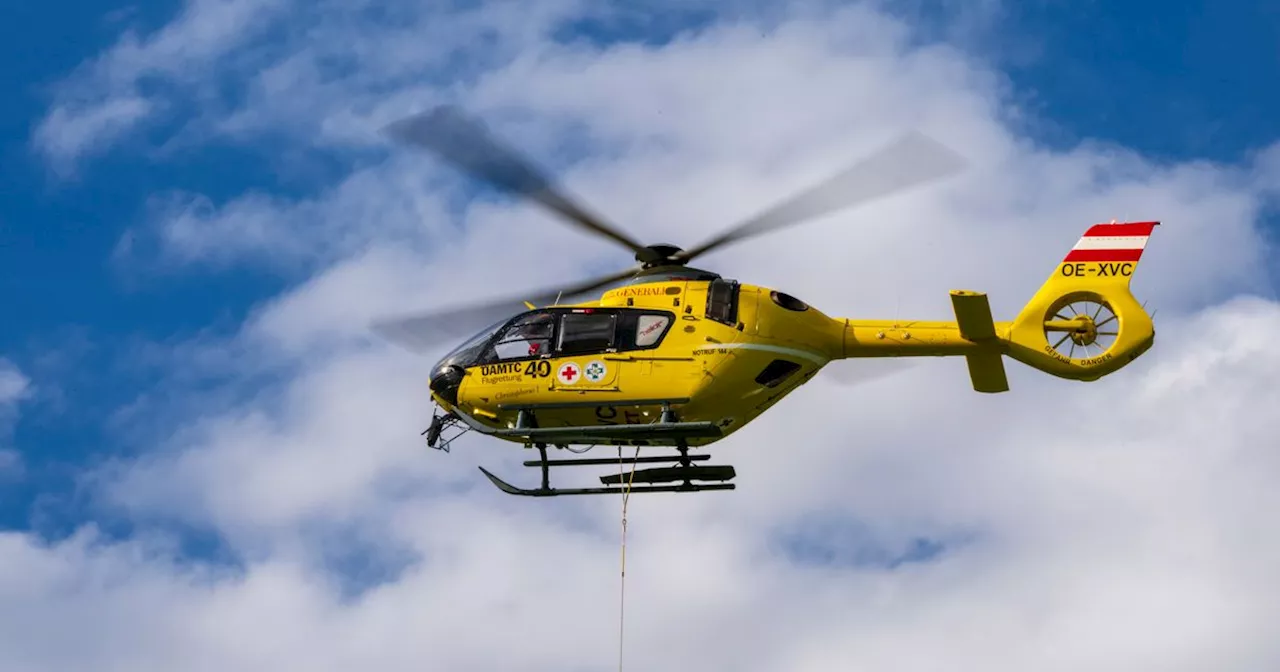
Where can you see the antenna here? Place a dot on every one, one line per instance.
(897, 303)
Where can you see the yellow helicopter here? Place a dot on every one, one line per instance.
(673, 356)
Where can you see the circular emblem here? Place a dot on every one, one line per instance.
(595, 371)
(569, 373)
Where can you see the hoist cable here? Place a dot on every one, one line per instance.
(622, 584)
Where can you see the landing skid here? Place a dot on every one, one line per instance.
(685, 473)
(683, 476)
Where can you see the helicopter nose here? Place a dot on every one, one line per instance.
(445, 382)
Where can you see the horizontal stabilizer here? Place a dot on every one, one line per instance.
(986, 370)
(973, 318)
(973, 315)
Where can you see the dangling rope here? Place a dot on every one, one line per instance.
(622, 584)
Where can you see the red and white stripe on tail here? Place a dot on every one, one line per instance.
(1112, 242)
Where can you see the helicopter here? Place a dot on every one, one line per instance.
(669, 356)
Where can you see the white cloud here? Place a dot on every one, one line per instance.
(14, 388)
(69, 132)
(236, 68)
(1113, 526)
(13, 385)
(112, 94)
(10, 462)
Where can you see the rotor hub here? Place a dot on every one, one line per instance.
(661, 254)
(1086, 332)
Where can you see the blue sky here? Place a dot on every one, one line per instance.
(147, 364)
(1176, 80)
(1190, 86)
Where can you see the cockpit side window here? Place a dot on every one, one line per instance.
(586, 332)
(650, 328)
(639, 330)
(527, 336)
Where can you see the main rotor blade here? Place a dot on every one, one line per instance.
(466, 144)
(425, 331)
(912, 160)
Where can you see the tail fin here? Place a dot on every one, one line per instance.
(1084, 323)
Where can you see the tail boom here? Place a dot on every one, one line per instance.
(1082, 324)
(974, 336)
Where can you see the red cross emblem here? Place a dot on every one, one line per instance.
(569, 372)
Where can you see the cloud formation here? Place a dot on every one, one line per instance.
(14, 388)
(1114, 526)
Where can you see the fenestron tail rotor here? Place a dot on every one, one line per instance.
(1082, 328)
(448, 133)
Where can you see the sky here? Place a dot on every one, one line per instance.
(208, 462)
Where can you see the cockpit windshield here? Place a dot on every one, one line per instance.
(528, 335)
(464, 355)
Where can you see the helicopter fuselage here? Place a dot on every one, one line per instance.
(712, 350)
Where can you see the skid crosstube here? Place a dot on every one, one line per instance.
(595, 434)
